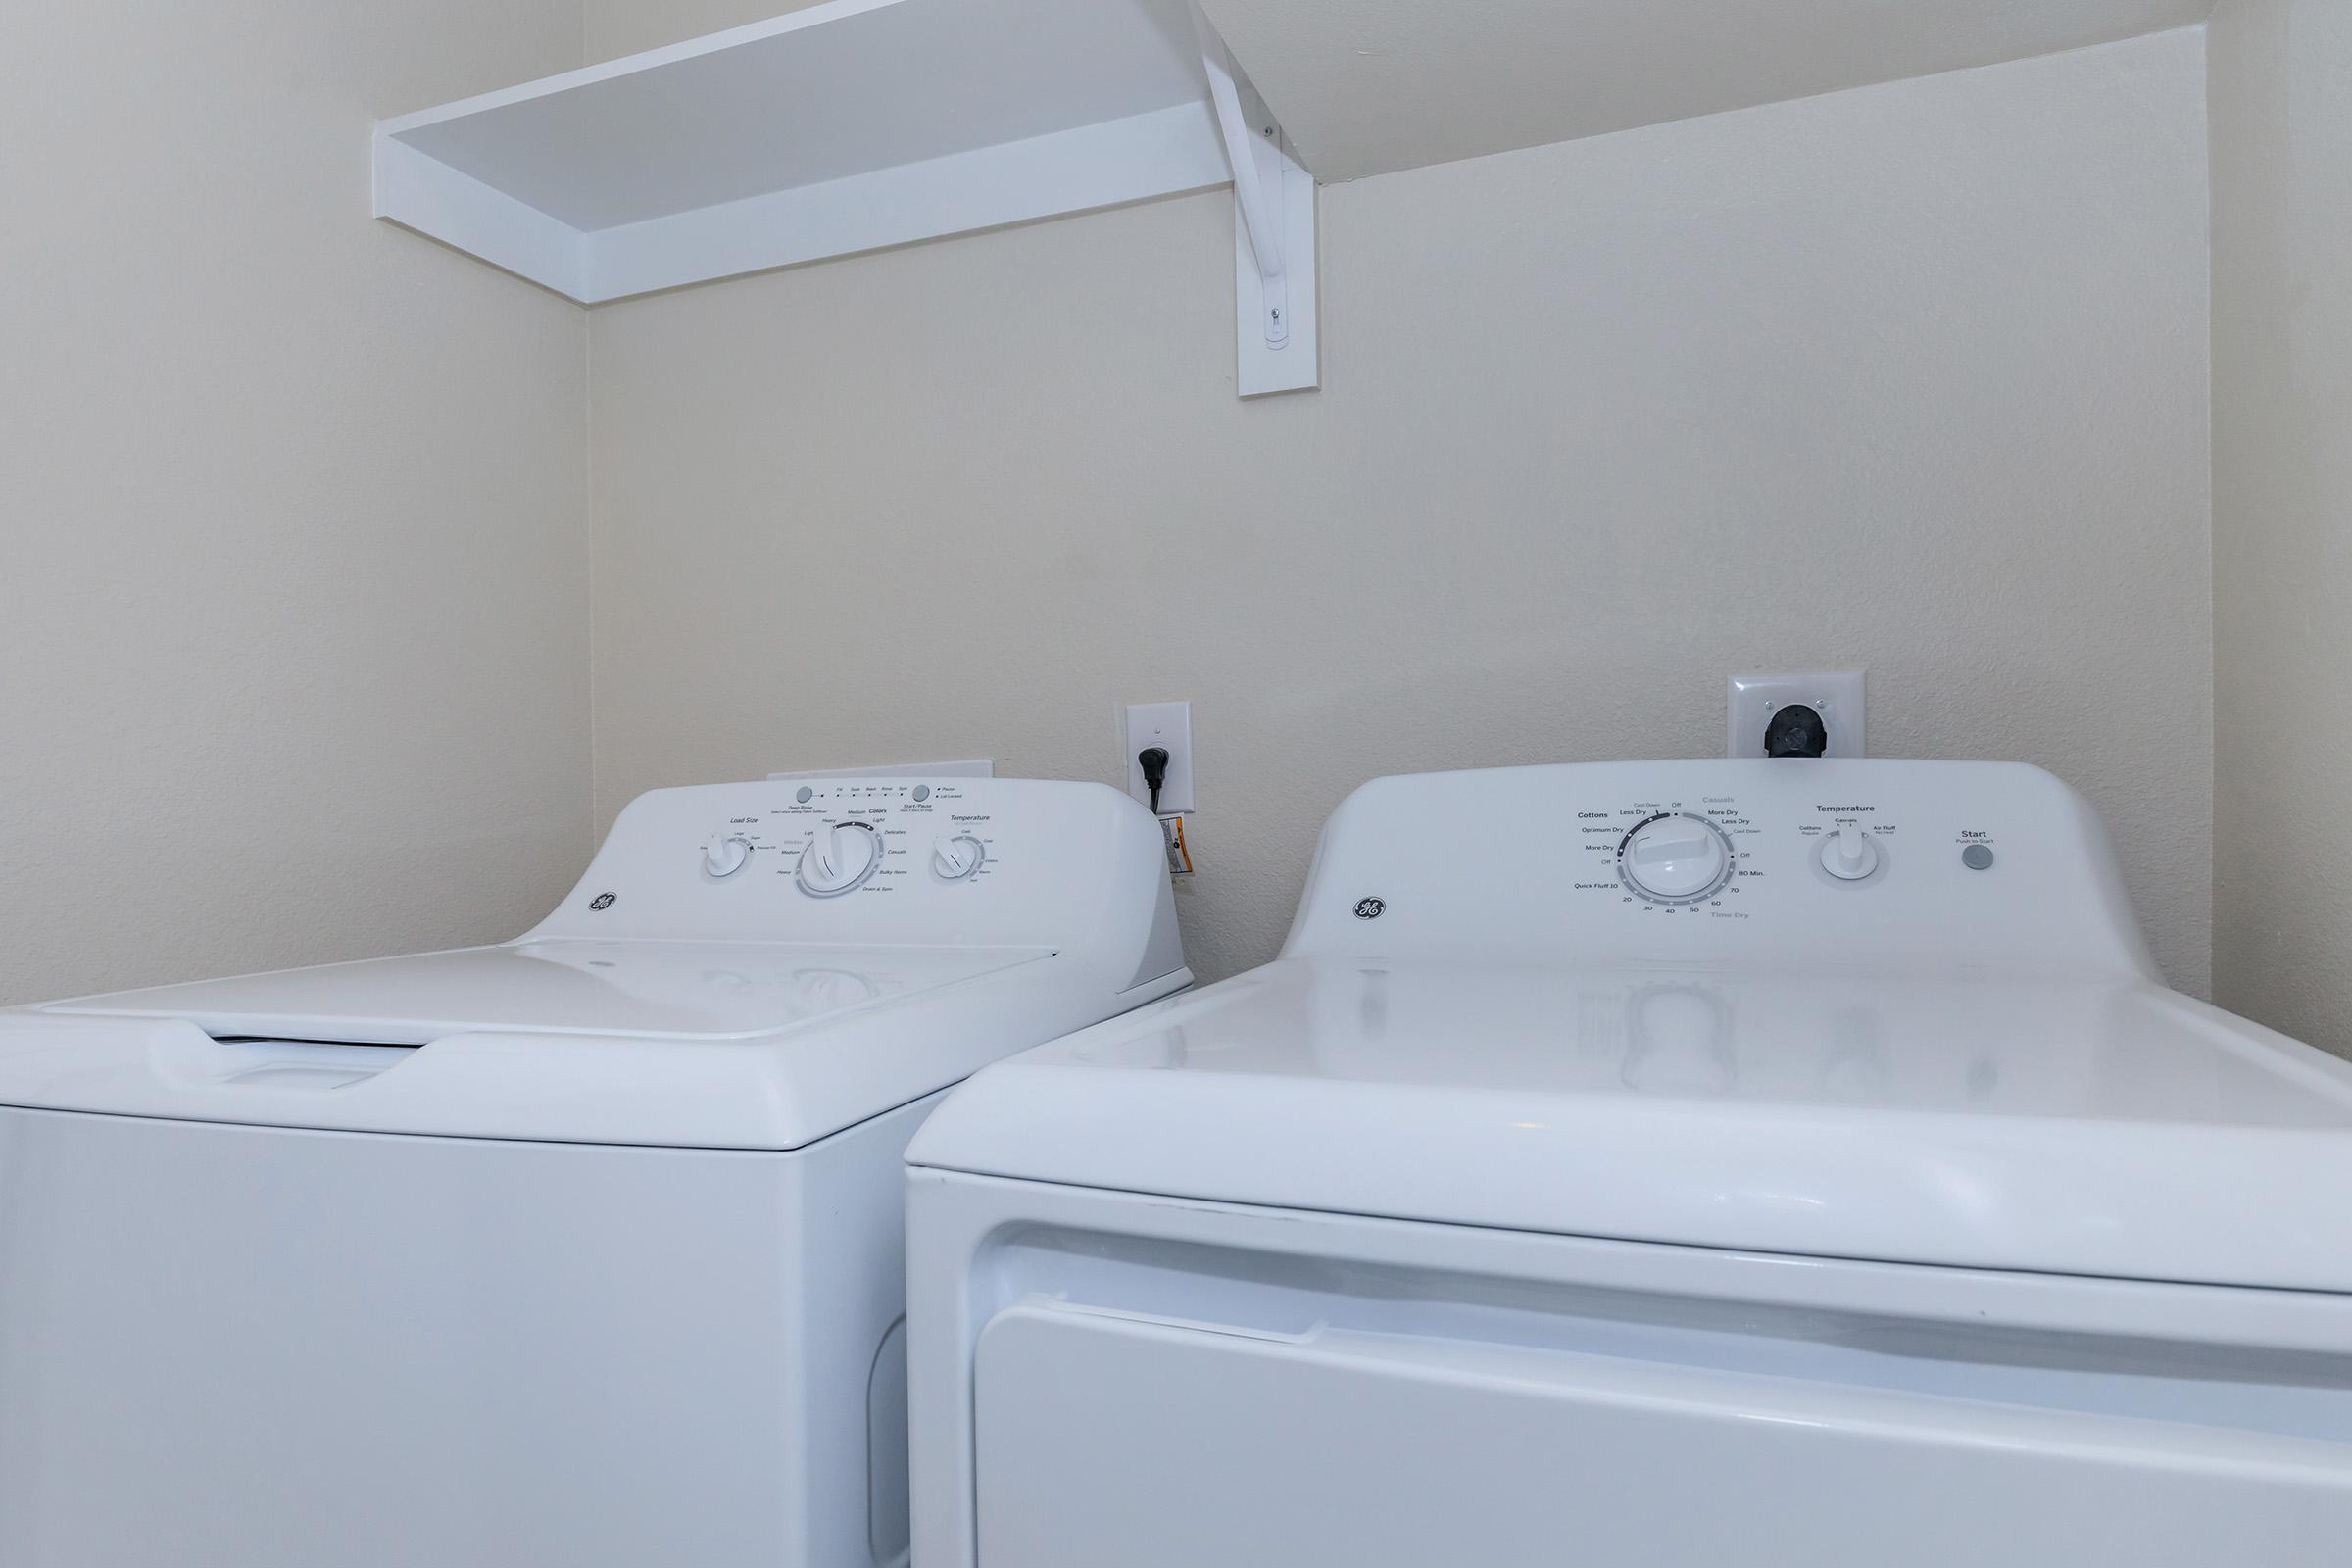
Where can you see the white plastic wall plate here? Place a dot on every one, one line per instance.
(1836, 695)
(1166, 724)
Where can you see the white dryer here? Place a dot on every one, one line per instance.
(1795, 1164)
(582, 1250)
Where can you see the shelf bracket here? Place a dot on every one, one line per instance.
(1274, 232)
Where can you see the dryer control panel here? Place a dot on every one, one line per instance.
(1821, 861)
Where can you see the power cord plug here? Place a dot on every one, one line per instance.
(1796, 731)
(1153, 761)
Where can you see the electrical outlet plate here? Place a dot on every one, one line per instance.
(1836, 695)
(1163, 724)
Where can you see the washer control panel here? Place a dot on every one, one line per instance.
(1842, 860)
(833, 838)
(955, 861)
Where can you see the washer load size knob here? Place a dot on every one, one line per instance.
(957, 856)
(1675, 858)
(839, 858)
(725, 853)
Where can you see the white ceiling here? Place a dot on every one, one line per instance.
(1370, 87)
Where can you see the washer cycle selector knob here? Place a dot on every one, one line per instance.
(725, 853)
(1675, 858)
(957, 856)
(839, 858)
(1850, 853)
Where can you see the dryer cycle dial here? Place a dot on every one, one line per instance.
(1675, 858)
(839, 858)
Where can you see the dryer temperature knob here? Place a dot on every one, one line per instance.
(1850, 853)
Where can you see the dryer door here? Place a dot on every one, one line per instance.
(1107, 1437)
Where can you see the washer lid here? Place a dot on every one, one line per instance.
(765, 1046)
(2079, 1126)
(634, 989)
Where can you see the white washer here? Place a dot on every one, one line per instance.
(1790, 1163)
(583, 1250)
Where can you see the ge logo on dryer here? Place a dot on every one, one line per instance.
(602, 901)
(1370, 908)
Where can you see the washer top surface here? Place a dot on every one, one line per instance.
(628, 988)
(741, 966)
(1812, 1064)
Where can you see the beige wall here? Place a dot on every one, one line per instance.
(617, 27)
(294, 589)
(2282, 513)
(293, 654)
(1912, 377)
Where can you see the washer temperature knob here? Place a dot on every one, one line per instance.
(957, 858)
(725, 853)
(1675, 858)
(838, 858)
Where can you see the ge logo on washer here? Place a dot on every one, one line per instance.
(1370, 908)
(602, 901)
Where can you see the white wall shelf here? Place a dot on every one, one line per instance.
(852, 126)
